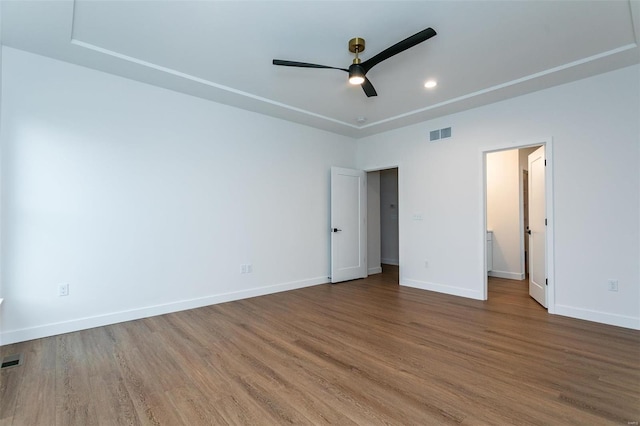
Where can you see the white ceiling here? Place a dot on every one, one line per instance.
(485, 51)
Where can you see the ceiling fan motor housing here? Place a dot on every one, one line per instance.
(356, 70)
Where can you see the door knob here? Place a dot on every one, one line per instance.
(336, 230)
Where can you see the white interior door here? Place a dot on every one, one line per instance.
(348, 224)
(537, 227)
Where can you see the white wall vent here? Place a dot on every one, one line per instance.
(434, 135)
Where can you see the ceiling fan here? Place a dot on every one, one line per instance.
(358, 70)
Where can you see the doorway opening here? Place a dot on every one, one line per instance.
(383, 221)
(517, 218)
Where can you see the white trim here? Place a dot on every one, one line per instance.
(398, 166)
(598, 316)
(497, 87)
(523, 267)
(484, 273)
(549, 201)
(381, 168)
(394, 262)
(375, 270)
(206, 82)
(53, 329)
(508, 275)
(551, 226)
(442, 288)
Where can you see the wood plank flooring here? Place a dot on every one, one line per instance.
(365, 352)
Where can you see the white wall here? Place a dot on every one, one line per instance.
(596, 161)
(389, 209)
(373, 223)
(504, 213)
(1, 244)
(148, 201)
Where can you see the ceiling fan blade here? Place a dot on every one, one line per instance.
(304, 65)
(399, 47)
(368, 88)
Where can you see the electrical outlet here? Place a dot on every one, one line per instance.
(612, 285)
(249, 268)
(63, 289)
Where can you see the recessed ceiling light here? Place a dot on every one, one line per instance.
(430, 84)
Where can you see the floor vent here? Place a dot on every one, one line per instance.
(12, 361)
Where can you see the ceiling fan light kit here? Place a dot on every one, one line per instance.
(356, 78)
(356, 75)
(358, 69)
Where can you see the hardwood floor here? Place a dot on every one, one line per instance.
(363, 352)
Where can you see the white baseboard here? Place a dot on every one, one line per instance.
(508, 275)
(395, 262)
(375, 270)
(21, 335)
(597, 316)
(442, 288)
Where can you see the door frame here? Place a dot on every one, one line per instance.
(482, 226)
(400, 200)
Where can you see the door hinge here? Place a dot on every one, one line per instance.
(545, 221)
(545, 161)
(546, 281)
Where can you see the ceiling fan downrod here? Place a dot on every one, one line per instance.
(356, 73)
